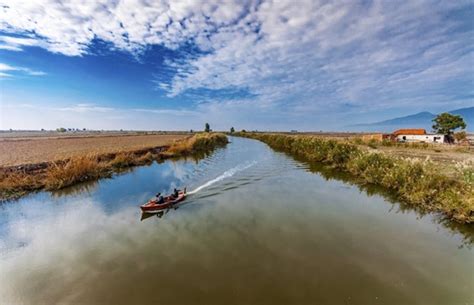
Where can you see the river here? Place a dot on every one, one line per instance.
(258, 228)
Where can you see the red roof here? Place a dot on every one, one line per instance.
(415, 131)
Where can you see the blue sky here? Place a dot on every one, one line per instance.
(267, 65)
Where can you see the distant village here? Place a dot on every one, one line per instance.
(419, 135)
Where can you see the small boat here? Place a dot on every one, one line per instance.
(153, 206)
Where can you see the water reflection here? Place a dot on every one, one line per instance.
(271, 233)
(466, 231)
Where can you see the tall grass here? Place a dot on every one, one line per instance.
(75, 170)
(197, 144)
(60, 174)
(418, 183)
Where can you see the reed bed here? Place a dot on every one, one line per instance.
(199, 143)
(415, 182)
(15, 183)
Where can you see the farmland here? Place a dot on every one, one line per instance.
(31, 148)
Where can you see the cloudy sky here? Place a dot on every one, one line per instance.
(160, 64)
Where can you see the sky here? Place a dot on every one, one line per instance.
(257, 64)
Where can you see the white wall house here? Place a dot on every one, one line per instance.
(426, 138)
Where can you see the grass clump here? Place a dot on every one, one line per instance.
(415, 182)
(75, 170)
(198, 143)
(14, 184)
(123, 160)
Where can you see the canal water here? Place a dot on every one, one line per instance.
(257, 228)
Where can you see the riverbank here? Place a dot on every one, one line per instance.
(16, 181)
(415, 182)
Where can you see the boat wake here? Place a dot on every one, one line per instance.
(226, 174)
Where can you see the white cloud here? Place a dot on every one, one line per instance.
(172, 112)
(69, 27)
(9, 47)
(11, 43)
(5, 75)
(296, 57)
(6, 67)
(84, 108)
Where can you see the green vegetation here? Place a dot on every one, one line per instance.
(232, 130)
(446, 123)
(418, 183)
(56, 175)
(207, 128)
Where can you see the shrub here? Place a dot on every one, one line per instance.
(372, 143)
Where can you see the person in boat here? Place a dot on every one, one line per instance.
(175, 193)
(159, 198)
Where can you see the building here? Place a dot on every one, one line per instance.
(411, 131)
(418, 135)
(376, 137)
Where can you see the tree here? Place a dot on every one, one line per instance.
(446, 123)
(61, 129)
(232, 130)
(207, 128)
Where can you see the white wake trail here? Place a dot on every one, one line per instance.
(226, 174)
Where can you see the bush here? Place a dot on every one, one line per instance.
(372, 143)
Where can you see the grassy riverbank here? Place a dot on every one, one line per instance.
(415, 182)
(18, 181)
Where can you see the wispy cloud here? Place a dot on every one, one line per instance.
(172, 112)
(9, 68)
(9, 47)
(12, 43)
(85, 107)
(293, 57)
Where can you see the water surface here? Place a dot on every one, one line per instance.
(259, 228)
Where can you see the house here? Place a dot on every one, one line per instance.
(417, 135)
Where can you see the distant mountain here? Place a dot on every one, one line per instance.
(418, 120)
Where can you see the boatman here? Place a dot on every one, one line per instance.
(159, 198)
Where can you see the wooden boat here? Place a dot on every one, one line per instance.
(153, 206)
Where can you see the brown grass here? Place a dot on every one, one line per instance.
(77, 169)
(15, 182)
(198, 143)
